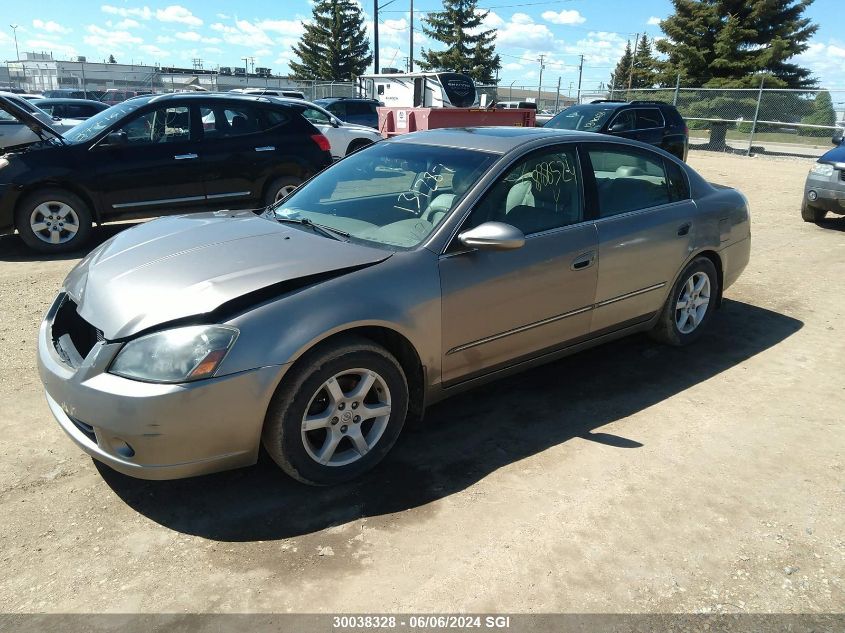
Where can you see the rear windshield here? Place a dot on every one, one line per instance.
(588, 118)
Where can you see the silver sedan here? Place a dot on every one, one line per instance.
(408, 272)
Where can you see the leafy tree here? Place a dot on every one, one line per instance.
(730, 43)
(112, 60)
(822, 113)
(335, 44)
(468, 49)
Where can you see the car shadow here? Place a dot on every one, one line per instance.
(833, 222)
(13, 249)
(466, 437)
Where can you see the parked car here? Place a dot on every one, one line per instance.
(824, 189)
(150, 156)
(652, 122)
(271, 92)
(113, 97)
(14, 133)
(70, 107)
(66, 93)
(344, 138)
(352, 110)
(412, 270)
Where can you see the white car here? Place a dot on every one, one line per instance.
(344, 137)
(14, 133)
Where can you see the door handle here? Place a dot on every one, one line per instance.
(684, 229)
(184, 156)
(583, 261)
(265, 148)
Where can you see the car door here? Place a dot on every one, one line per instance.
(500, 306)
(645, 226)
(154, 169)
(650, 125)
(233, 152)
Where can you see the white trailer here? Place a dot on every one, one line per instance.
(419, 90)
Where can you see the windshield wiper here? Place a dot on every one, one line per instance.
(322, 229)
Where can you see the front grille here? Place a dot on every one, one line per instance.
(82, 334)
(87, 429)
(842, 175)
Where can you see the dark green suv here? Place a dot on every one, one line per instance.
(652, 122)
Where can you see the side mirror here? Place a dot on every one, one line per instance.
(837, 138)
(116, 139)
(335, 122)
(493, 236)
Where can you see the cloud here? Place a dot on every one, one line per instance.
(179, 14)
(128, 23)
(653, 21)
(827, 62)
(285, 27)
(564, 17)
(522, 31)
(138, 12)
(107, 39)
(49, 27)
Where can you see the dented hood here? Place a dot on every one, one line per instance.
(185, 266)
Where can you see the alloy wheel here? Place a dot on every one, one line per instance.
(284, 192)
(693, 302)
(346, 417)
(54, 222)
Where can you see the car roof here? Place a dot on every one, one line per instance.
(67, 101)
(491, 139)
(213, 96)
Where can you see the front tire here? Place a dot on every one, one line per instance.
(690, 305)
(53, 221)
(338, 413)
(809, 213)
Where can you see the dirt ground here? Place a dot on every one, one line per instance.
(629, 478)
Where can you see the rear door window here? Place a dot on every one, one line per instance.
(627, 179)
(226, 121)
(649, 118)
(359, 108)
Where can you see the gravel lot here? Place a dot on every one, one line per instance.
(629, 478)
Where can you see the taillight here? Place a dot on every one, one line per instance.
(322, 142)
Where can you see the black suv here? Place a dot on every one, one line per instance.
(352, 109)
(652, 122)
(151, 156)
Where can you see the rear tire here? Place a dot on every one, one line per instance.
(690, 305)
(281, 188)
(809, 213)
(319, 429)
(53, 221)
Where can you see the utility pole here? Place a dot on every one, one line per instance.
(411, 54)
(540, 87)
(633, 57)
(14, 28)
(375, 37)
(580, 73)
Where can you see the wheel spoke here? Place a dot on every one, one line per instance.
(682, 304)
(334, 390)
(358, 441)
(690, 286)
(702, 301)
(329, 447)
(693, 317)
(700, 284)
(363, 387)
(319, 421)
(63, 210)
(55, 236)
(38, 226)
(369, 411)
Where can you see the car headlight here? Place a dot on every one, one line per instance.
(4, 162)
(179, 355)
(822, 169)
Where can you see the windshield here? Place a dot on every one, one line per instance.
(90, 128)
(588, 118)
(391, 194)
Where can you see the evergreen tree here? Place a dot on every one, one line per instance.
(730, 43)
(619, 78)
(112, 60)
(468, 50)
(822, 113)
(645, 66)
(335, 45)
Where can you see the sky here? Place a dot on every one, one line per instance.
(222, 33)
